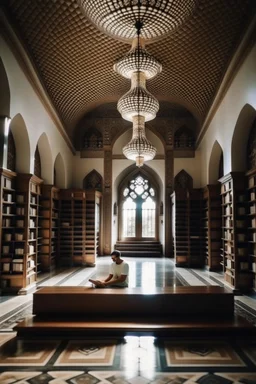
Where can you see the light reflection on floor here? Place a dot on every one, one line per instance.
(139, 355)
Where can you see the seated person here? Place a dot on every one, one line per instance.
(118, 274)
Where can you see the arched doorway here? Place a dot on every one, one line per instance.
(138, 208)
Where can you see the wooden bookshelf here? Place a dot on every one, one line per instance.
(195, 235)
(93, 215)
(49, 228)
(180, 225)
(7, 230)
(71, 240)
(188, 238)
(251, 185)
(211, 227)
(234, 232)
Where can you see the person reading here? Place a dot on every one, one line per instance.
(118, 274)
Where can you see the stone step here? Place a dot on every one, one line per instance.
(139, 248)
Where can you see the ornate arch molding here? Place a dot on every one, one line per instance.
(93, 181)
(183, 181)
(92, 139)
(184, 138)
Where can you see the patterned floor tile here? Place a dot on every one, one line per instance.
(88, 353)
(206, 353)
(250, 351)
(17, 352)
(115, 377)
(17, 377)
(6, 336)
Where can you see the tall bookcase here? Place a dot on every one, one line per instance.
(8, 279)
(49, 228)
(195, 234)
(72, 213)
(236, 262)
(180, 225)
(251, 184)
(93, 222)
(79, 231)
(211, 224)
(20, 202)
(28, 194)
(188, 237)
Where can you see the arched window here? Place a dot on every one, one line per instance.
(139, 209)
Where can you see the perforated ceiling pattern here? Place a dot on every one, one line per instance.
(75, 60)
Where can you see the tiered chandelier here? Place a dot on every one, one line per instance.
(138, 104)
(137, 21)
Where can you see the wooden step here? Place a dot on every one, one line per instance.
(34, 326)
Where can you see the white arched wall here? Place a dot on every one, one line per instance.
(46, 159)
(26, 102)
(241, 92)
(240, 138)
(59, 168)
(22, 144)
(214, 163)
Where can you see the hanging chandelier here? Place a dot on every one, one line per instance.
(118, 17)
(136, 21)
(138, 104)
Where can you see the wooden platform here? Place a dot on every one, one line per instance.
(117, 312)
(133, 301)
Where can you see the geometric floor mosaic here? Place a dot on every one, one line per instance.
(206, 353)
(113, 377)
(87, 353)
(132, 360)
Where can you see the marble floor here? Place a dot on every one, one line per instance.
(128, 360)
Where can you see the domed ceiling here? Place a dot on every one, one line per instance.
(74, 60)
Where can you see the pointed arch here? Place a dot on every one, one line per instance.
(4, 92)
(22, 144)
(151, 181)
(45, 158)
(11, 154)
(183, 180)
(215, 160)
(59, 172)
(93, 180)
(240, 138)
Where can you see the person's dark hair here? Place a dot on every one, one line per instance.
(116, 253)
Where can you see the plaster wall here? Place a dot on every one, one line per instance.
(242, 91)
(81, 168)
(192, 166)
(26, 102)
